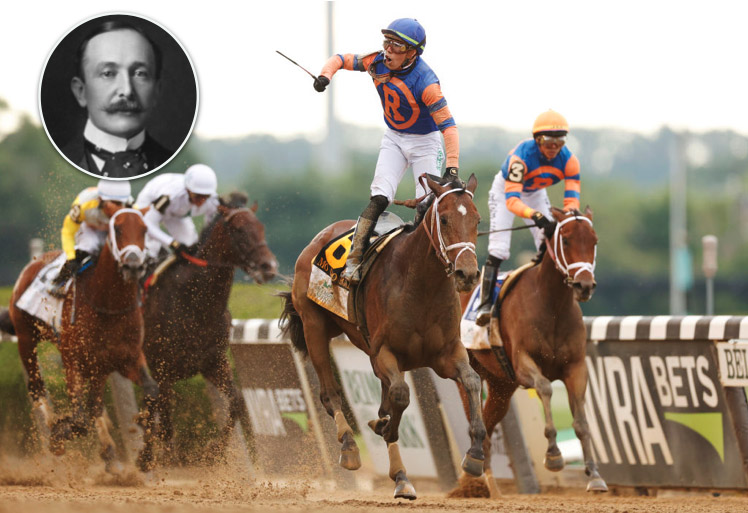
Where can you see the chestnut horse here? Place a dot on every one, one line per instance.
(412, 310)
(101, 332)
(187, 322)
(543, 333)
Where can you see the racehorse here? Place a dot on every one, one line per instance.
(187, 322)
(412, 310)
(541, 326)
(101, 332)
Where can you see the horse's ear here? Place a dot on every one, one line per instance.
(434, 186)
(472, 183)
(254, 206)
(588, 212)
(557, 213)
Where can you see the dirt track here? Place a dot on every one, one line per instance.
(76, 488)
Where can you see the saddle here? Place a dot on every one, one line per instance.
(327, 289)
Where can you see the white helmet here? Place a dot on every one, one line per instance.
(115, 190)
(200, 179)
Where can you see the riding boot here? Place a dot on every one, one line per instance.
(361, 235)
(488, 279)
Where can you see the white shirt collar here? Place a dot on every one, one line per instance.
(111, 142)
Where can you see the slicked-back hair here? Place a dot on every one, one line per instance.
(111, 26)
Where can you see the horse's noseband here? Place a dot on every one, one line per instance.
(130, 249)
(559, 257)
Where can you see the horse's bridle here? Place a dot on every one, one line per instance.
(559, 257)
(117, 253)
(441, 248)
(201, 262)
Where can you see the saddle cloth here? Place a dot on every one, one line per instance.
(324, 287)
(36, 299)
(474, 336)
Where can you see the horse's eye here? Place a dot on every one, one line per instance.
(443, 219)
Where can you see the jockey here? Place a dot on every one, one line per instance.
(85, 226)
(172, 199)
(415, 112)
(519, 190)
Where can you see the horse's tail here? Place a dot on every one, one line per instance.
(290, 320)
(6, 324)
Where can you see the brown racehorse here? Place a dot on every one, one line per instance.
(412, 310)
(543, 333)
(187, 322)
(101, 332)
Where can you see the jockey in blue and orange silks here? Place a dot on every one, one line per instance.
(519, 190)
(416, 115)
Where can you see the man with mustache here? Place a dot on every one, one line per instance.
(117, 81)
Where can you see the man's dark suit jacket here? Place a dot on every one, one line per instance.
(154, 153)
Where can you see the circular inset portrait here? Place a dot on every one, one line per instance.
(118, 96)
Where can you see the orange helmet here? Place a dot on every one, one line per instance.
(550, 121)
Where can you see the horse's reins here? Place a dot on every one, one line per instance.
(442, 249)
(559, 257)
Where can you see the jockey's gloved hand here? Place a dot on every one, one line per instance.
(543, 222)
(321, 83)
(179, 248)
(451, 173)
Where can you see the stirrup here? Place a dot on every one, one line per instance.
(483, 315)
(352, 273)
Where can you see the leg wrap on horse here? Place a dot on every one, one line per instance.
(396, 462)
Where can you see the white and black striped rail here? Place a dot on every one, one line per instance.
(667, 327)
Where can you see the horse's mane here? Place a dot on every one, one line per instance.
(234, 199)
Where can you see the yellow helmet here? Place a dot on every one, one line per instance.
(550, 121)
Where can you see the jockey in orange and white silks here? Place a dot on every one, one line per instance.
(416, 115)
(84, 228)
(172, 200)
(519, 190)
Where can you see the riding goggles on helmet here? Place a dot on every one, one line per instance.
(395, 46)
(549, 140)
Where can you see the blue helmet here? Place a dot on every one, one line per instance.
(410, 31)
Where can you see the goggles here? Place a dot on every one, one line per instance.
(395, 46)
(548, 140)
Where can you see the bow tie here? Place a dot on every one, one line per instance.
(120, 164)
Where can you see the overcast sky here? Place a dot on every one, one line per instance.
(636, 65)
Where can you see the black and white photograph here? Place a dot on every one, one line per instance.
(118, 96)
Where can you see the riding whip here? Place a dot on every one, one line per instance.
(299, 65)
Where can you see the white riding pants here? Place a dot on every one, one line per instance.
(422, 152)
(181, 228)
(502, 219)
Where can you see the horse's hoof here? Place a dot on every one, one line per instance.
(472, 466)
(378, 425)
(405, 490)
(554, 462)
(350, 460)
(597, 485)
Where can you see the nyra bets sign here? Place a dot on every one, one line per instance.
(658, 416)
